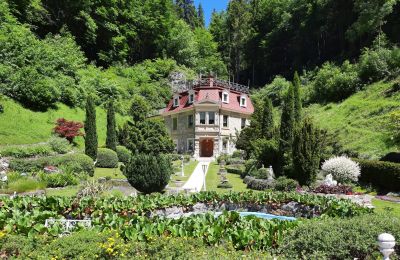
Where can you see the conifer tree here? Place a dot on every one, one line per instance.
(200, 15)
(91, 142)
(267, 120)
(111, 140)
(286, 131)
(308, 143)
(297, 98)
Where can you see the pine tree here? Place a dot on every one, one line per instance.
(111, 140)
(286, 132)
(297, 98)
(91, 142)
(307, 148)
(200, 15)
(187, 12)
(267, 124)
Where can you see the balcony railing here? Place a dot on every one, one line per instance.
(206, 82)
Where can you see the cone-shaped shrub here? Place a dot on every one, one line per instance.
(148, 173)
(111, 140)
(90, 129)
(297, 98)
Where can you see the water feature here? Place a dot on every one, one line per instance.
(261, 215)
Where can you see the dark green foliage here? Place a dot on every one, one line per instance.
(148, 173)
(106, 158)
(236, 169)
(149, 136)
(266, 152)
(308, 144)
(77, 163)
(384, 175)
(339, 238)
(257, 184)
(287, 128)
(267, 120)
(139, 109)
(224, 185)
(124, 155)
(55, 180)
(285, 184)
(91, 141)
(297, 98)
(111, 140)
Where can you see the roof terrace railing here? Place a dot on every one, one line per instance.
(206, 82)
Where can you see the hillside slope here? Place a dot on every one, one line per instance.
(361, 121)
(19, 125)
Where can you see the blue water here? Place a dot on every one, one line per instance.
(261, 215)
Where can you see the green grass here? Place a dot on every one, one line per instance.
(66, 192)
(386, 207)
(213, 179)
(187, 169)
(106, 172)
(19, 125)
(361, 120)
(25, 185)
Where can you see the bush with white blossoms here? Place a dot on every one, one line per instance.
(342, 168)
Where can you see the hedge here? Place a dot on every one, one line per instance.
(384, 175)
(123, 153)
(235, 169)
(106, 158)
(257, 184)
(77, 162)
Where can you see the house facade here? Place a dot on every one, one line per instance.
(205, 116)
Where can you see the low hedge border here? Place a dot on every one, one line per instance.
(235, 169)
(383, 175)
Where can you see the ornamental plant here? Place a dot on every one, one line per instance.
(342, 168)
(68, 129)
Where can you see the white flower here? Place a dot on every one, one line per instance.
(342, 168)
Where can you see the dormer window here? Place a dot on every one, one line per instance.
(243, 101)
(176, 100)
(191, 97)
(225, 97)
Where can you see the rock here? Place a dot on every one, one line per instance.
(200, 207)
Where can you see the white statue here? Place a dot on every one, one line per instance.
(271, 175)
(329, 181)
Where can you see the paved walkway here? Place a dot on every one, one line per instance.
(196, 180)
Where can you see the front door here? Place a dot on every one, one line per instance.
(206, 148)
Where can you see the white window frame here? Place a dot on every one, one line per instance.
(205, 117)
(243, 98)
(187, 144)
(176, 101)
(227, 121)
(215, 119)
(191, 97)
(225, 94)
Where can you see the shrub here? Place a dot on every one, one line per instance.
(148, 173)
(68, 129)
(342, 168)
(77, 162)
(232, 160)
(91, 141)
(224, 185)
(235, 169)
(249, 167)
(339, 238)
(92, 188)
(339, 189)
(123, 154)
(257, 184)
(25, 185)
(59, 145)
(391, 157)
(384, 175)
(285, 184)
(106, 158)
(55, 180)
(261, 173)
(374, 64)
(238, 154)
(26, 151)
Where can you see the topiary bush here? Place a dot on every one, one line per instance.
(123, 154)
(106, 158)
(257, 184)
(342, 168)
(148, 173)
(285, 184)
(60, 145)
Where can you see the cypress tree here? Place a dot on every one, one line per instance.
(90, 129)
(297, 98)
(308, 143)
(267, 120)
(111, 140)
(286, 132)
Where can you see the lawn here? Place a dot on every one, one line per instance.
(382, 206)
(188, 169)
(19, 125)
(213, 179)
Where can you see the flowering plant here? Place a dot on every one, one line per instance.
(342, 168)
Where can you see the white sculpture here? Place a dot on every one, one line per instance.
(271, 175)
(329, 181)
(386, 245)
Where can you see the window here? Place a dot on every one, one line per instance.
(225, 121)
(190, 144)
(174, 123)
(202, 118)
(211, 118)
(176, 101)
(225, 97)
(190, 121)
(191, 98)
(225, 144)
(242, 101)
(243, 124)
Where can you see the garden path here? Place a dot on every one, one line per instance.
(196, 180)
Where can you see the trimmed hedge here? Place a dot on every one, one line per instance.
(106, 158)
(124, 155)
(76, 162)
(257, 184)
(384, 175)
(235, 169)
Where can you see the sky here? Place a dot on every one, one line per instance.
(210, 5)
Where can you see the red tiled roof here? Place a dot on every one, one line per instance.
(214, 95)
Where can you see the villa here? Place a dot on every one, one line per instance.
(205, 116)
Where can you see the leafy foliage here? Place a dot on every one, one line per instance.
(91, 142)
(106, 158)
(59, 145)
(68, 129)
(342, 168)
(124, 155)
(111, 140)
